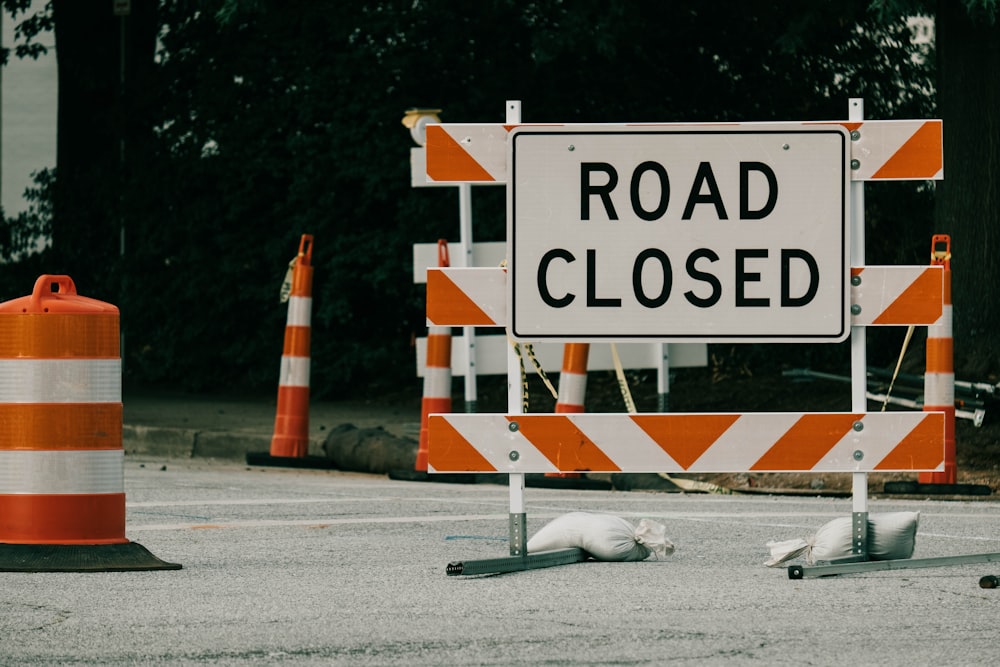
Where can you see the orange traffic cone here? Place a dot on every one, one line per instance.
(437, 373)
(939, 375)
(291, 423)
(62, 495)
(573, 378)
(572, 386)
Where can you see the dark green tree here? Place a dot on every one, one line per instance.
(254, 122)
(967, 202)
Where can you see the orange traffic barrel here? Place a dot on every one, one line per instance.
(291, 423)
(62, 495)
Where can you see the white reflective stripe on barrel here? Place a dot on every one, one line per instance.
(60, 381)
(62, 472)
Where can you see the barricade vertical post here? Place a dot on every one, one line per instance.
(939, 374)
(859, 359)
(518, 516)
(291, 423)
(62, 496)
(437, 376)
(468, 333)
(663, 379)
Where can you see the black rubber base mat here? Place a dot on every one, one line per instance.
(265, 459)
(128, 556)
(917, 488)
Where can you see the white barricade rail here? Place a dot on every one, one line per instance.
(637, 443)
(883, 150)
(880, 296)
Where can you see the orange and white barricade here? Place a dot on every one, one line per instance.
(62, 496)
(686, 443)
(291, 423)
(939, 375)
(437, 376)
(885, 150)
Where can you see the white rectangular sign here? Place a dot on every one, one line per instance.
(710, 232)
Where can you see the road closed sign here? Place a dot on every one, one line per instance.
(710, 233)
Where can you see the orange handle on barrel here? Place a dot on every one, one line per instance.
(43, 287)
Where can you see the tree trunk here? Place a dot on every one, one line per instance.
(968, 200)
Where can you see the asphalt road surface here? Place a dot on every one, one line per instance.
(285, 566)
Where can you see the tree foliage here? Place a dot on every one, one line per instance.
(259, 121)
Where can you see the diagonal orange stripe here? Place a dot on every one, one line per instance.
(920, 302)
(920, 156)
(921, 449)
(684, 437)
(448, 161)
(808, 441)
(448, 451)
(562, 443)
(448, 304)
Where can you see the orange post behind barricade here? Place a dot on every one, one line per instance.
(437, 372)
(62, 495)
(939, 375)
(291, 423)
(572, 385)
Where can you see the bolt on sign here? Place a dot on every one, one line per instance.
(735, 232)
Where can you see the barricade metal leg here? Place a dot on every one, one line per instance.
(518, 517)
(517, 563)
(860, 531)
(801, 571)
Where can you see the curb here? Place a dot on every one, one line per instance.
(192, 443)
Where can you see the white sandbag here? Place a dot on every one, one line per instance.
(603, 536)
(891, 536)
(784, 551)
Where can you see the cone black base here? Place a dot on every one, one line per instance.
(424, 476)
(917, 488)
(265, 459)
(128, 556)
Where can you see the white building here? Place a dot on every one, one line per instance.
(28, 101)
